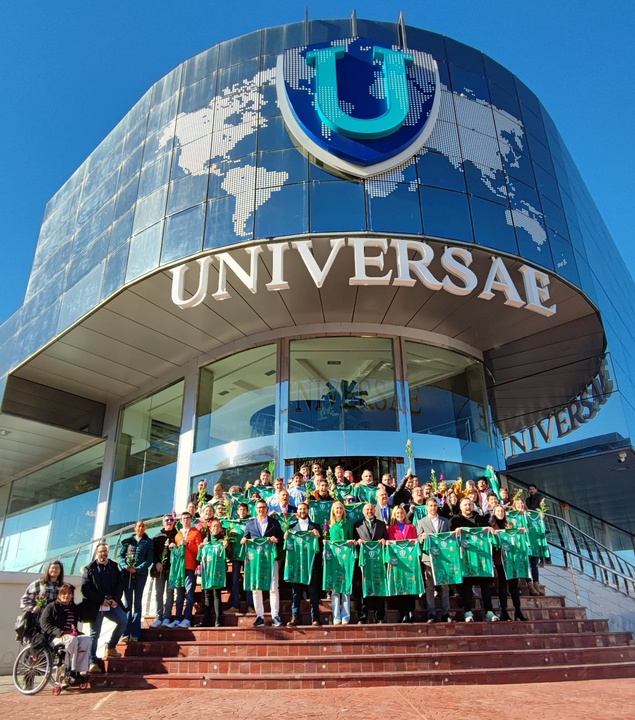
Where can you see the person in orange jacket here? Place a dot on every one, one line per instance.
(191, 539)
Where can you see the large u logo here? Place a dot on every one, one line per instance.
(327, 97)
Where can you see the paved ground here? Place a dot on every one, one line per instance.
(586, 700)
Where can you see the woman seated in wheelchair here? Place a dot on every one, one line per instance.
(59, 622)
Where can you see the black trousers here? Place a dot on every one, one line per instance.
(486, 593)
(503, 586)
(212, 611)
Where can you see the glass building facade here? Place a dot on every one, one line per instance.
(205, 164)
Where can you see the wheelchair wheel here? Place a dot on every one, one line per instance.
(32, 670)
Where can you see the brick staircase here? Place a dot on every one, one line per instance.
(556, 643)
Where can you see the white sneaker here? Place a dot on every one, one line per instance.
(337, 622)
(184, 623)
(157, 623)
(469, 617)
(490, 616)
(167, 622)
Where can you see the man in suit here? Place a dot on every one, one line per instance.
(365, 530)
(305, 524)
(264, 526)
(383, 508)
(433, 524)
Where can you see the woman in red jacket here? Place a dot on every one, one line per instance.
(400, 529)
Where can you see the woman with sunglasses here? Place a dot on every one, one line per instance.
(164, 595)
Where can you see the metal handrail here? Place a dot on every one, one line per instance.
(585, 554)
(75, 558)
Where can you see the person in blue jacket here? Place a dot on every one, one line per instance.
(135, 559)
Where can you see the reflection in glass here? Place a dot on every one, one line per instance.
(51, 510)
(145, 462)
(237, 398)
(342, 383)
(447, 394)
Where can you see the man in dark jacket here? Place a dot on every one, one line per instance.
(102, 588)
(161, 571)
(305, 524)
(534, 498)
(469, 519)
(367, 530)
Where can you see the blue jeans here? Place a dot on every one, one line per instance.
(236, 567)
(341, 607)
(297, 591)
(133, 592)
(115, 615)
(186, 593)
(164, 611)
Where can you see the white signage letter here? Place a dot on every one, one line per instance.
(249, 280)
(500, 280)
(277, 271)
(418, 267)
(363, 261)
(178, 284)
(318, 275)
(450, 261)
(536, 283)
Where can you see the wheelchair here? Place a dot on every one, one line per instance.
(39, 664)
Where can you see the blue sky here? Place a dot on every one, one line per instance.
(69, 71)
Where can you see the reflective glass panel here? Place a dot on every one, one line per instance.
(342, 383)
(447, 393)
(445, 214)
(237, 398)
(145, 463)
(337, 206)
(51, 510)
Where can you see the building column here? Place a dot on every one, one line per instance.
(186, 438)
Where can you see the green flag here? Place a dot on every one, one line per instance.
(366, 493)
(514, 546)
(265, 491)
(235, 530)
(339, 564)
(213, 564)
(443, 549)
(492, 479)
(419, 513)
(344, 491)
(371, 561)
(320, 511)
(534, 523)
(301, 547)
(177, 567)
(354, 511)
(235, 501)
(476, 552)
(260, 556)
(403, 560)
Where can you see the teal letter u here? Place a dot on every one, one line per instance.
(327, 101)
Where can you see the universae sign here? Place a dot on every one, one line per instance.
(358, 106)
(412, 261)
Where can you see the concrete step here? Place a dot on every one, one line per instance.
(299, 644)
(282, 634)
(476, 676)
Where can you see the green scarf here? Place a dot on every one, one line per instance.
(302, 547)
(476, 552)
(260, 556)
(443, 550)
(371, 561)
(177, 567)
(339, 564)
(213, 565)
(403, 559)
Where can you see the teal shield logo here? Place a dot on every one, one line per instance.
(358, 106)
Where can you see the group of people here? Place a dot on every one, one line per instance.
(323, 534)
(327, 534)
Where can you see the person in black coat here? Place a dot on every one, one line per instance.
(160, 571)
(60, 620)
(366, 530)
(102, 588)
(305, 524)
(469, 519)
